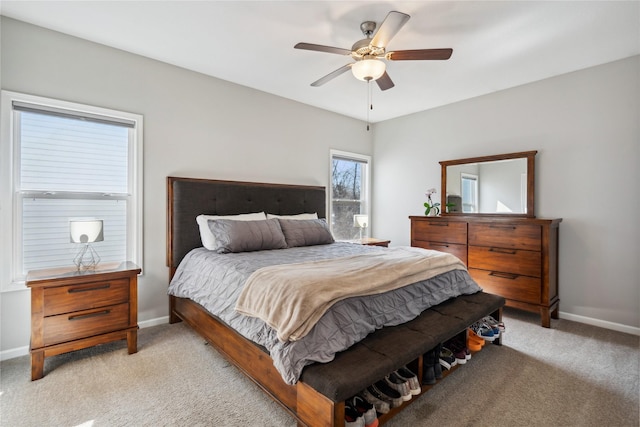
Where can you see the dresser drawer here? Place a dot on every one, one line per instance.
(516, 236)
(86, 323)
(66, 299)
(510, 286)
(453, 248)
(439, 231)
(516, 261)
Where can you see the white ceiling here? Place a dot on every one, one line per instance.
(496, 44)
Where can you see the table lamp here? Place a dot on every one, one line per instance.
(86, 232)
(361, 221)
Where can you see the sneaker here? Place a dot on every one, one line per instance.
(473, 337)
(459, 353)
(352, 418)
(460, 350)
(483, 331)
(388, 394)
(447, 359)
(373, 396)
(400, 385)
(497, 327)
(366, 409)
(411, 378)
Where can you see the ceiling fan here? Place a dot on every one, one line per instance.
(369, 53)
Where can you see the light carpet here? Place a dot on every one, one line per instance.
(570, 375)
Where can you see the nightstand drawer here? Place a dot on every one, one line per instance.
(66, 299)
(86, 323)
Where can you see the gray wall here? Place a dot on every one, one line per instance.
(194, 125)
(586, 128)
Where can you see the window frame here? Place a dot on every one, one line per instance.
(469, 177)
(363, 158)
(11, 277)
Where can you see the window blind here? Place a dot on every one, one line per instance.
(70, 168)
(68, 154)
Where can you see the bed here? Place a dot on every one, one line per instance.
(313, 388)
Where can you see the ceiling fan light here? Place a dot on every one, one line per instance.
(368, 69)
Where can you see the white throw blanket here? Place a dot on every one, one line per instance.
(291, 298)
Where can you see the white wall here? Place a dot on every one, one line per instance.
(195, 126)
(586, 128)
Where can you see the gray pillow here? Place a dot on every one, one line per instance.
(246, 236)
(305, 232)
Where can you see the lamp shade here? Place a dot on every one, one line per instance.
(361, 221)
(86, 231)
(368, 69)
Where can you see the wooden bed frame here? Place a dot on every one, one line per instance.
(187, 198)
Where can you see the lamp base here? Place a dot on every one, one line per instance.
(87, 258)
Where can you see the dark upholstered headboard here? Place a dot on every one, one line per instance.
(190, 197)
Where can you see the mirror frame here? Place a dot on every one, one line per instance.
(531, 166)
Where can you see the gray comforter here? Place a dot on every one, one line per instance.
(216, 280)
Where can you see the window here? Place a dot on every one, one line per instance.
(64, 161)
(469, 192)
(349, 196)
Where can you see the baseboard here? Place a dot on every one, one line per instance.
(153, 322)
(601, 323)
(23, 351)
(14, 352)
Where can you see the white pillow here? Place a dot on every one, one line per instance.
(208, 241)
(298, 216)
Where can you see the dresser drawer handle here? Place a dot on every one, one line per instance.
(439, 244)
(439, 224)
(95, 288)
(86, 316)
(509, 276)
(503, 251)
(508, 227)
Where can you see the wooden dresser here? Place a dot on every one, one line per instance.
(516, 258)
(72, 309)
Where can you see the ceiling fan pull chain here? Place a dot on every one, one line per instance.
(369, 102)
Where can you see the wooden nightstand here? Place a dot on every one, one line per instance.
(72, 310)
(370, 241)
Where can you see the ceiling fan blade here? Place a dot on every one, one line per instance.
(332, 75)
(419, 54)
(322, 48)
(389, 28)
(385, 82)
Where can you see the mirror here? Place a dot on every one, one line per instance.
(491, 185)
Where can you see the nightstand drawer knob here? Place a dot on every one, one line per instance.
(95, 288)
(86, 316)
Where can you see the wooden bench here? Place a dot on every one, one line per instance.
(390, 348)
